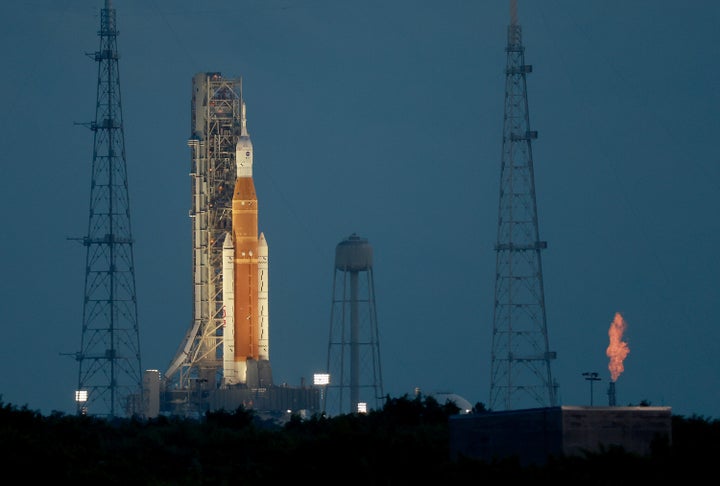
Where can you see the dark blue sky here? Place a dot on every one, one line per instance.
(383, 118)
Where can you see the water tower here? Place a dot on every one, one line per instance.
(353, 361)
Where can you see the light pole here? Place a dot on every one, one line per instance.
(591, 376)
(321, 380)
(81, 397)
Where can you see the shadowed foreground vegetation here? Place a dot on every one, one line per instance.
(407, 442)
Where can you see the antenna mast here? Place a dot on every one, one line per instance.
(110, 374)
(520, 369)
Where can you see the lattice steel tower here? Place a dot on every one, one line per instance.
(353, 361)
(215, 126)
(520, 375)
(109, 356)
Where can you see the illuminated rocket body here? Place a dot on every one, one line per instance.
(263, 299)
(247, 342)
(230, 371)
(245, 242)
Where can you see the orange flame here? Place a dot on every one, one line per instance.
(618, 349)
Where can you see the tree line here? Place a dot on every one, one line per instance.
(405, 442)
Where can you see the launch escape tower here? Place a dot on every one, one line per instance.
(110, 374)
(216, 120)
(520, 372)
(353, 363)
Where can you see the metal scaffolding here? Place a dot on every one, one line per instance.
(215, 127)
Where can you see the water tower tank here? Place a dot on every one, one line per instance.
(353, 254)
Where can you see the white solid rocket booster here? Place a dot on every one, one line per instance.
(263, 300)
(228, 255)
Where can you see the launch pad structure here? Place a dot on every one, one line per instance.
(215, 115)
(223, 361)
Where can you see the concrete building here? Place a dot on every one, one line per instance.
(533, 435)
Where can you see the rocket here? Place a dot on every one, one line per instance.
(246, 350)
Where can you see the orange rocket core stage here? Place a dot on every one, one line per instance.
(245, 240)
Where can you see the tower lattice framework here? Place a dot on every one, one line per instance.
(353, 361)
(521, 374)
(109, 358)
(216, 120)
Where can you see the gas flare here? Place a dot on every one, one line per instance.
(618, 350)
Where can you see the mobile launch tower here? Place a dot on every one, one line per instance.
(110, 374)
(224, 217)
(520, 372)
(216, 116)
(224, 360)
